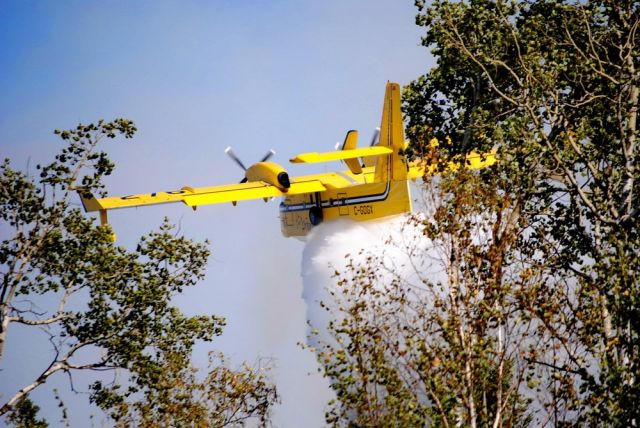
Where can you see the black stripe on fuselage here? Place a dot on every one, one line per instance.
(330, 203)
(346, 201)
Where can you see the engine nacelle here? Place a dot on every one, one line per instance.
(271, 173)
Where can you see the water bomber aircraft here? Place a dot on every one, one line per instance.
(375, 185)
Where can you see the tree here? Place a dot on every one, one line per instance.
(24, 415)
(439, 341)
(106, 298)
(554, 85)
(225, 397)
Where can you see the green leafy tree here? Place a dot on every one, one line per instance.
(24, 415)
(554, 85)
(225, 397)
(438, 342)
(110, 303)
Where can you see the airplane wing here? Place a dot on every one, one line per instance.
(202, 195)
(252, 190)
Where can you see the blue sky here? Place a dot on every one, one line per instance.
(197, 77)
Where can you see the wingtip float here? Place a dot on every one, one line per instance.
(374, 186)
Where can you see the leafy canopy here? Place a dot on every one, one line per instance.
(107, 308)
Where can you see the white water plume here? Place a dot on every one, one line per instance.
(397, 245)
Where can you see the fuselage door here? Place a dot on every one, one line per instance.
(343, 209)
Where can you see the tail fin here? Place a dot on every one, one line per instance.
(350, 143)
(392, 167)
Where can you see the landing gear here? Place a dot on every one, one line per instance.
(315, 215)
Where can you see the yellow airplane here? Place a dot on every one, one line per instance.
(374, 186)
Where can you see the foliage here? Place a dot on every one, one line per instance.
(439, 341)
(111, 307)
(24, 415)
(554, 85)
(225, 397)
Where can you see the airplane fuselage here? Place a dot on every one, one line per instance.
(347, 195)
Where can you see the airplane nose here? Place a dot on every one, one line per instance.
(283, 179)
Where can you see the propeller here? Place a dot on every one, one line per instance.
(336, 148)
(237, 160)
(233, 156)
(375, 138)
(268, 155)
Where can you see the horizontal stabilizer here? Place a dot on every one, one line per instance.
(473, 160)
(315, 157)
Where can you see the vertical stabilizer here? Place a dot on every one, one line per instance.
(392, 167)
(351, 143)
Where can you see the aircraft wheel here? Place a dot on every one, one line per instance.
(315, 216)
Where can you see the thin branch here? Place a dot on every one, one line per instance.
(56, 318)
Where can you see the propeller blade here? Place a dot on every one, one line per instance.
(233, 156)
(268, 155)
(337, 147)
(375, 139)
